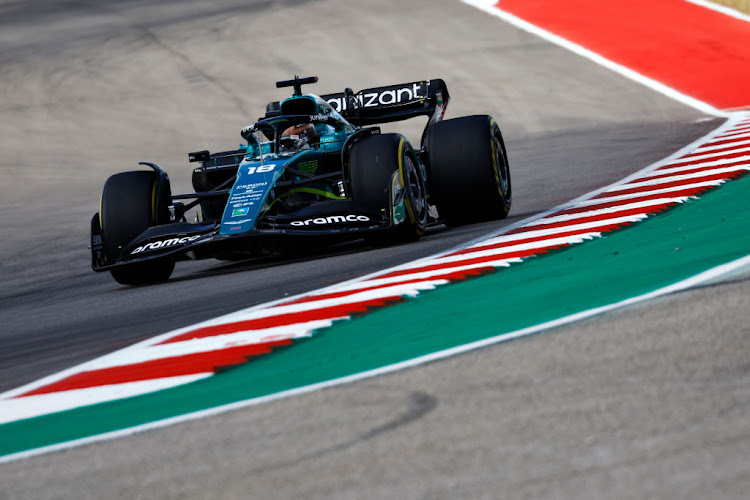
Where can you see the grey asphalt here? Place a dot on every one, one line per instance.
(650, 401)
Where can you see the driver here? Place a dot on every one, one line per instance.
(304, 135)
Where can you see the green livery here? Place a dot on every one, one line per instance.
(313, 169)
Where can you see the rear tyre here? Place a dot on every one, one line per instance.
(469, 175)
(383, 169)
(129, 208)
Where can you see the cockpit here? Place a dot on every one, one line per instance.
(304, 122)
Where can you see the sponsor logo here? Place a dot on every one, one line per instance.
(319, 118)
(382, 98)
(165, 243)
(252, 185)
(333, 219)
(240, 211)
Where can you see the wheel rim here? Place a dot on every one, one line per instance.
(415, 190)
(501, 166)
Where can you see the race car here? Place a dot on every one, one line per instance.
(314, 170)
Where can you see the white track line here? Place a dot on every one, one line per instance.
(679, 178)
(738, 132)
(208, 344)
(720, 8)
(488, 6)
(499, 252)
(643, 194)
(717, 147)
(707, 156)
(706, 166)
(433, 276)
(696, 280)
(537, 233)
(43, 404)
(646, 206)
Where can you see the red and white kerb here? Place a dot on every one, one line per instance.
(200, 351)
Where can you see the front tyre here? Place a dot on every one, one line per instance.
(385, 175)
(128, 208)
(469, 174)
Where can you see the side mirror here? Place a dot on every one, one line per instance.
(199, 156)
(351, 100)
(352, 105)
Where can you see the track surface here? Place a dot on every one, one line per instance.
(635, 403)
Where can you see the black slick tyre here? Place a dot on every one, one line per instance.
(469, 174)
(384, 169)
(128, 208)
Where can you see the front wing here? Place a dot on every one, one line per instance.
(183, 240)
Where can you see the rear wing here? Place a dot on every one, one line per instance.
(392, 103)
(387, 104)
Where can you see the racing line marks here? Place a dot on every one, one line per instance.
(197, 352)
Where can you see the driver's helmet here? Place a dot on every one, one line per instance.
(305, 135)
(302, 135)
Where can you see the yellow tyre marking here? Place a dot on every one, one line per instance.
(409, 209)
(400, 163)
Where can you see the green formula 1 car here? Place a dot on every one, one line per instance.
(314, 169)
